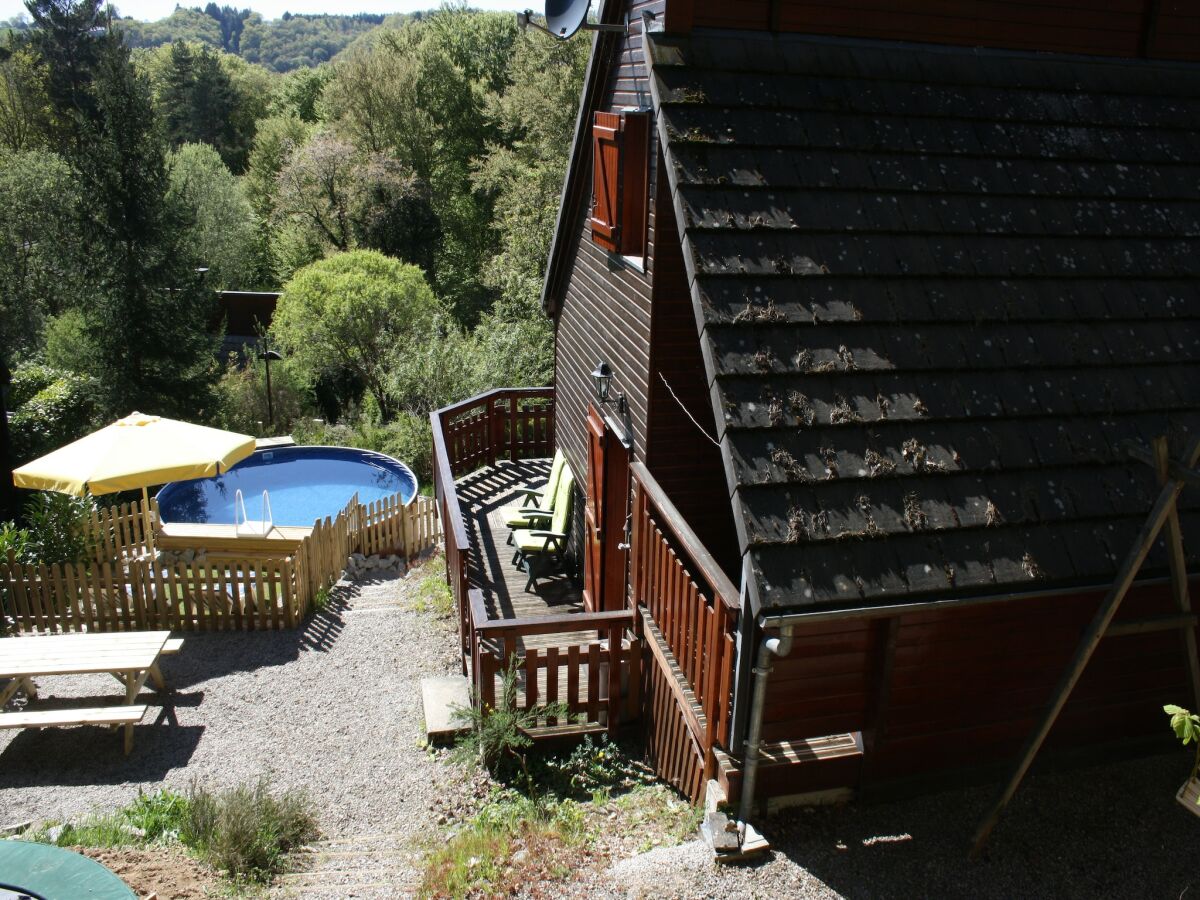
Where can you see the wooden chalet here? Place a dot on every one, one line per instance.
(884, 288)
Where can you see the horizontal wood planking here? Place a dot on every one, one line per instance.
(1102, 27)
(967, 684)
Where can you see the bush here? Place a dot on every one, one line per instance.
(66, 338)
(57, 414)
(242, 396)
(247, 831)
(28, 381)
(55, 530)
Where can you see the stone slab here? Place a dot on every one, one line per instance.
(440, 694)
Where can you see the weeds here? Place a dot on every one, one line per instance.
(433, 596)
(151, 818)
(320, 600)
(247, 831)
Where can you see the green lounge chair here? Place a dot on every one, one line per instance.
(540, 552)
(537, 507)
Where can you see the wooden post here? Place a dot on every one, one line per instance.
(1159, 513)
(1178, 564)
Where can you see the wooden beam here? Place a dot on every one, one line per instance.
(1154, 523)
(883, 644)
(1178, 565)
(1153, 623)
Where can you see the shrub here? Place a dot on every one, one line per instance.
(242, 396)
(497, 738)
(247, 831)
(55, 415)
(28, 381)
(55, 530)
(66, 341)
(154, 817)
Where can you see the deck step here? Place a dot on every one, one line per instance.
(440, 694)
(100, 715)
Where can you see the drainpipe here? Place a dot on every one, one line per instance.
(767, 651)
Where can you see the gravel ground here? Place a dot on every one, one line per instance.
(1108, 831)
(334, 708)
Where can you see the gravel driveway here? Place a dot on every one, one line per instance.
(334, 708)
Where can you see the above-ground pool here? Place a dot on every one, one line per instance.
(304, 484)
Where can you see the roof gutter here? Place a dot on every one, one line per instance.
(864, 613)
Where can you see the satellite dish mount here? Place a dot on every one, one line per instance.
(565, 18)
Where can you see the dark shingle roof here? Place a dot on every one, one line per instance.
(936, 288)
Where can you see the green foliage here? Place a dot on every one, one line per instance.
(198, 101)
(359, 311)
(406, 438)
(55, 528)
(1186, 726)
(221, 225)
(24, 104)
(190, 25)
(38, 263)
(480, 860)
(592, 767)
(242, 396)
(298, 93)
(29, 380)
(433, 596)
(60, 412)
(497, 738)
(247, 831)
(66, 336)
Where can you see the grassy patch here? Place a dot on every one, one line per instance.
(245, 831)
(320, 600)
(432, 594)
(658, 814)
(512, 841)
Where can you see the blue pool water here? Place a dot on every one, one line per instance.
(304, 483)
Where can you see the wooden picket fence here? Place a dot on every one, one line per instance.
(124, 589)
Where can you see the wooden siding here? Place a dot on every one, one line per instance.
(604, 311)
(965, 685)
(1166, 29)
(694, 480)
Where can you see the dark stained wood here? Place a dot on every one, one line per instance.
(1127, 28)
(676, 361)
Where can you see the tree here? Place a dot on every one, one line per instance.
(38, 269)
(147, 316)
(275, 140)
(24, 104)
(222, 230)
(358, 311)
(199, 104)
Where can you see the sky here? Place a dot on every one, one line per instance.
(152, 10)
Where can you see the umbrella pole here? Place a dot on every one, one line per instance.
(147, 523)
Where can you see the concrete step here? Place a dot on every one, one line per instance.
(440, 694)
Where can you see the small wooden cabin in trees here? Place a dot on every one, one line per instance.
(882, 288)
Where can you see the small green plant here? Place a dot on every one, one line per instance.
(497, 737)
(247, 831)
(1186, 726)
(151, 818)
(320, 600)
(593, 767)
(433, 596)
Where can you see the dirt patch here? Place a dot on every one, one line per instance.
(166, 871)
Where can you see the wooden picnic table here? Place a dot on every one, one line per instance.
(130, 656)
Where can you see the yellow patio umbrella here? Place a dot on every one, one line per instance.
(135, 452)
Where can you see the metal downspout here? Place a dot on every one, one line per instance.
(767, 651)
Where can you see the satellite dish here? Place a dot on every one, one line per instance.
(565, 17)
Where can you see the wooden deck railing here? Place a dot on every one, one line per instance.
(507, 423)
(690, 607)
(598, 677)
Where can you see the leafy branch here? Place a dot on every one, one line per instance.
(1186, 726)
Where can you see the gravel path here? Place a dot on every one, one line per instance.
(1108, 831)
(334, 708)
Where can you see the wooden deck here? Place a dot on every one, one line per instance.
(483, 493)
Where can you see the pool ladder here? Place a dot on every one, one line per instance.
(246, 525)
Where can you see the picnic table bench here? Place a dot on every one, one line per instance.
(131, 657)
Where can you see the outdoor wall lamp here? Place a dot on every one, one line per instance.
(602, 382)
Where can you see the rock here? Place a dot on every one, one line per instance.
(54, 832)
(520, 856)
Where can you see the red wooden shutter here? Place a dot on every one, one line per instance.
(606, 174)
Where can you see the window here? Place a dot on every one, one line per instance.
(620, 187)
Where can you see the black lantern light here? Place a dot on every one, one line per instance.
(266, 355)
(602, 377)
